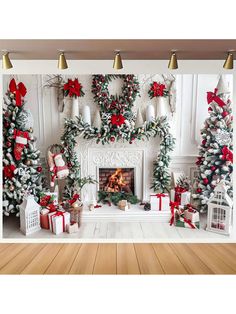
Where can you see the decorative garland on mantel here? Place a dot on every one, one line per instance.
(118, 124)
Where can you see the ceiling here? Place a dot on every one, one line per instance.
(141, 49)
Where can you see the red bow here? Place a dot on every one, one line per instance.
(213, 97)
(63, 219)
(73, 88)
(19, 90)
(74, 199)
(158, 89)
(190, 208)
(227, 154)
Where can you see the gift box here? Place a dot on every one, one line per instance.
(75, 214)
(58, 221)
(178, 217)
(191, 214)
(180, 195)
(72, 227)
(44, 222)
(124, 205)
(160, 202)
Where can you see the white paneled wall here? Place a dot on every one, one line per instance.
(191, 109)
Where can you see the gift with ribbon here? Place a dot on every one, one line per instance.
(212, 96)
(19, 90)
(191, 213)
(178, 217)
(58, 221)
(180, 195)
(160, 202)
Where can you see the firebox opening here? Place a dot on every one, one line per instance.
(116, 180)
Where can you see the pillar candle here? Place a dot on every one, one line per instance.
(150, 113)
(86, 115)
(75, 107)
(139, 119)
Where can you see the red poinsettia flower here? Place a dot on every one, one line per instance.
(45, 200)
(227, 154)
(73, 88)
(158, 90)
(9, 171)
(117, 119)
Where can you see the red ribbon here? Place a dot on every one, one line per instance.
(57, 214)
(188, 221)
(213, 97)
(227, 154)
(74, 199)
(158, 89)
(19, 90)
(173, 205)
(160, 195)
(73, 88)
(178, 191)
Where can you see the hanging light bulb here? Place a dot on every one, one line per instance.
(117, 62)
(173, 63)
(229, 62)
(62, 64)
(6, 62)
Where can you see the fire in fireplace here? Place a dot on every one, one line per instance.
(116, 180)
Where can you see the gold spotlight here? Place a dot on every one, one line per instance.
(173, 63)
(6, 62)
(117, 62)
(62, 64)
(229, 62)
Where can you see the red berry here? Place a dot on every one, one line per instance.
(210, 109)
(203, 142)
(213, 168)
(199, 190)
(205, 180)
(8, 144)
(39, 169)
(112, 139)
(224, 114)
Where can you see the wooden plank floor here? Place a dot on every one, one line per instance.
(121, 258)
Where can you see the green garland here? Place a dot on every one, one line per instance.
(115, 197)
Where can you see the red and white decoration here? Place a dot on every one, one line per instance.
(160, 202)
(180, 195)
(21, 139)
(58, 221)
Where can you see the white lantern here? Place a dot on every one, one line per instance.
(29, 215)
(220, 210)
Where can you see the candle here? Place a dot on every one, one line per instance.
(150, 113)
(75, 107)
(139, 119)
(97, 122)
(86, 115)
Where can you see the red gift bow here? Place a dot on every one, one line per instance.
(188, 221)
(56, 215)
(74, 199)
(227, 154)
(190, 208)
(74, 87)
(173, 205)
(19, 90)
(52, 207)
(178, 191)
(158, 89)
(160, 195)
(213, 97)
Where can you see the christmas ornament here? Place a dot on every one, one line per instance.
(21, 138)
(73, 88)
(117, 119)
(212, 97)
(39, 169)
(25, 120)
(223, 137)
(8, 171)
(227, 154)
(158, 90)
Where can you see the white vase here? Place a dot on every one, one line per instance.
(75, 107)
(150, 113)
(86, 115)
(162, 107)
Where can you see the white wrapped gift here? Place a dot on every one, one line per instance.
(160, 202)
(58, 221)
(192, 215)
(183, 198)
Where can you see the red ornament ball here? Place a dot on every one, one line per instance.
(205, 181)
(6, 124)
(224, 114)
(8, 144)
(199, 190)
(69, 164)
(204, 142)
(213, 168)
(210, 109)
(112, 139)
(39, 169)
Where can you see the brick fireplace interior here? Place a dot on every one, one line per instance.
(116, 180)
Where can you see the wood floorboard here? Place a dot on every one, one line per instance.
(63, 261)
(85, 259)
(121, 258)
(126, 259)
(170, 262)
(218, 266)
(106, 259)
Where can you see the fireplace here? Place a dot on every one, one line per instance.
(116, 180)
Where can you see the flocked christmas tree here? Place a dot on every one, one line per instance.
(21, 169)
(215, 161)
